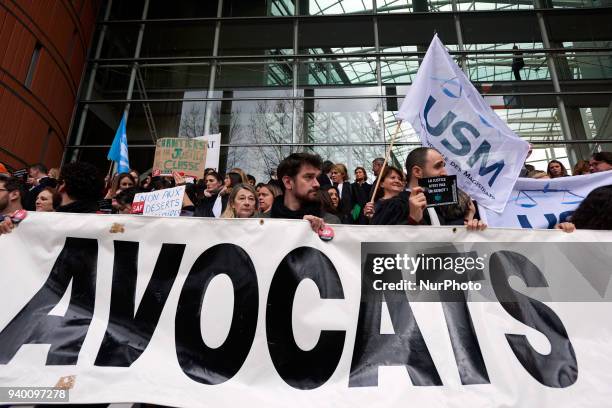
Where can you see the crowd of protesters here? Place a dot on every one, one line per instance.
(305, 187)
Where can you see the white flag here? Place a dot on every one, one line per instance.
(449, 115)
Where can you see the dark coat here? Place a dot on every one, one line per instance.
(204, 208)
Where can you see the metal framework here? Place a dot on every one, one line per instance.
(302, 82)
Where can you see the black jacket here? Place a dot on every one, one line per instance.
(204, 208)
(80, 207)
(280, 211)
(395, 211)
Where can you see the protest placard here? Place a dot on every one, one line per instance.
(163, 203)
(440, 190)
(186, 156)
(213, 149)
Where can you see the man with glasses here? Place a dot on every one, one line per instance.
(601, 161)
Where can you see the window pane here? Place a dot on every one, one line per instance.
(504, 66)
(340, 120)
(337, 72)
(576, 64)
(399, 70)
(181, 9)
(120, 41)
(336, 35)
(248, 37)
(254, 75)
(178, 39)
(408, 6)
(125, 10)
(412, 31)
(329, 7)
(501, 28)
(255, 8)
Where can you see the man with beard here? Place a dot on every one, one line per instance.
(298, 176)
(12, 192)
(410, 207)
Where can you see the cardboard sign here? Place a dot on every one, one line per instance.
(162, 203)
(187, 156)
(440, 190)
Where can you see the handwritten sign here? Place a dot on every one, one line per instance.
(162, 203)
(186, 156)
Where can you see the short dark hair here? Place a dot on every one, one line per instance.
(82, 181)
(379, 160)
(251, 178)
(14, 184)
(291, 165)
(603, 156)
(417, 157)
(40, 167)
(327, 166)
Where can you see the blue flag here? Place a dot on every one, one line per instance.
(119, 149)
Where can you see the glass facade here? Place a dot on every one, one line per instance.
(328, 76)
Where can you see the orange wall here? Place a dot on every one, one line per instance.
(34, 122)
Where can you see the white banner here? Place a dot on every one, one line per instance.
(543, 203)
(213, 151)
(164, 203)
(449, 114)
(251, 313)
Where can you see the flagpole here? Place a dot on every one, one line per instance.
(382, 169)
(108, 175)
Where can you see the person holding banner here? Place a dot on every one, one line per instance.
(12, 194)
(594, 212)
(298, 174)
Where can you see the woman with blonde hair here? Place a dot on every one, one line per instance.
(242, 202)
